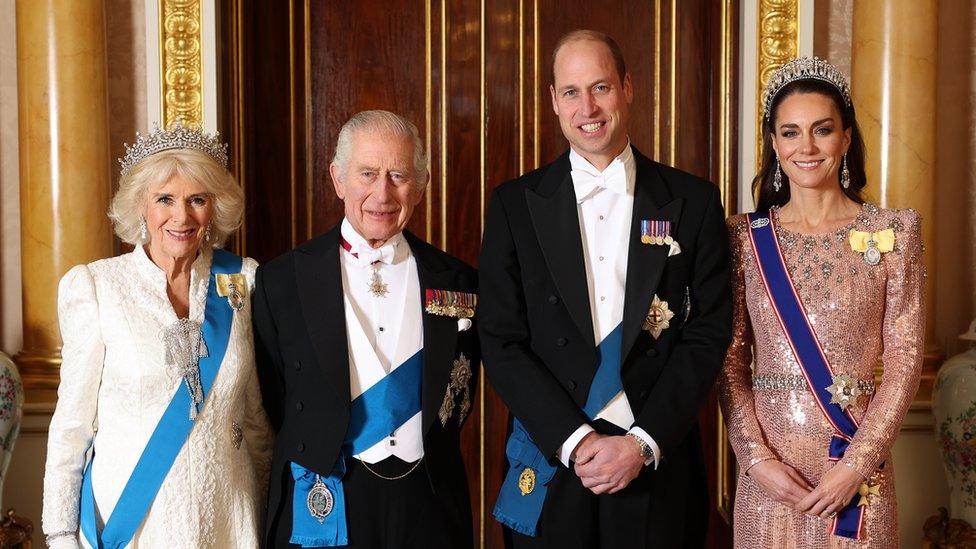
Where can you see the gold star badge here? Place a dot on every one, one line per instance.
(658, 317)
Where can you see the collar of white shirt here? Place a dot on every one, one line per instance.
(389, 253)
(617, 177)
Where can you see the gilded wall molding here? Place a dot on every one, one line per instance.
(778, 42)
(181, 61)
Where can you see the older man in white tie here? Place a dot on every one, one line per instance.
(367, 356)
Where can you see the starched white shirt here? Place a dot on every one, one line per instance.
(383, 331)
(605, 204)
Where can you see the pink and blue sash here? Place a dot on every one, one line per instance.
(809, 354)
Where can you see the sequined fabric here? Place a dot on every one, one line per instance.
(860, 313)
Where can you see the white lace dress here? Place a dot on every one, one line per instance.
(115, 387)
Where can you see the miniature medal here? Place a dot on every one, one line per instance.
(320, 500)
(526, 481)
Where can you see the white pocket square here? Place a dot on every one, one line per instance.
(675, 248)
(464, 324)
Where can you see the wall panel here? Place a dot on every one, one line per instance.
(474, 78)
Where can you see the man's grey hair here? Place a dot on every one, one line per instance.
(383, 122)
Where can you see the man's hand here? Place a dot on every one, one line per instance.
(780, 481)
(607, 464)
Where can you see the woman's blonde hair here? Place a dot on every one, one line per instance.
(129, 201)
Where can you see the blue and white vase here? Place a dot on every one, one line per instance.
(11, 414)
(954, 407)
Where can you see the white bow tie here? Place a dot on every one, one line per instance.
(384, 254)
(613, 178)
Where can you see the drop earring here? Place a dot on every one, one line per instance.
(777, 177)
(206, 233)
(143, 230)
(845, 175)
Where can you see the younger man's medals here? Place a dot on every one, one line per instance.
(656, 232)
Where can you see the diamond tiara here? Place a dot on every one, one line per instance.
(178, 136)
(805, 68)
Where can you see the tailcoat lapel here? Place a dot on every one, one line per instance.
(645, 262)
(319, 280)
(440, 332)
(554, 216)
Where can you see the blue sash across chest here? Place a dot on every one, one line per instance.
(808, 352)
(373, 415)
(170, 433)
(519, 508)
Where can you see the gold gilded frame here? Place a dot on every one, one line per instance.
(181, 61)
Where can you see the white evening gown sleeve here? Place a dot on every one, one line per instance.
(257, 428)
(73, 424)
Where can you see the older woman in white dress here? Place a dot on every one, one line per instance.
(159, 438)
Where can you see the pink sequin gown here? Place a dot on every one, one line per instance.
(860, 313)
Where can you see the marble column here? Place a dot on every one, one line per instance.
(894, 51)
(64, 167)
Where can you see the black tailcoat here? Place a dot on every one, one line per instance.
(536, 327)
(303, 363)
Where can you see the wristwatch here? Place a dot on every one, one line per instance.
(646, 451)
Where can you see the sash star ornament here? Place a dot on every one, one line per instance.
(460, 377)
(844, 391)
(872, 245)
(658, 317)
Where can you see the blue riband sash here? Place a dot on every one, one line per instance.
(373, 415)
(519, 511)
(808, 352)
(171, 432)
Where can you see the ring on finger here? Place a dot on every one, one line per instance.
(832, 514)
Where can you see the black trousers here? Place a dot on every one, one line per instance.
(388, 514)
(664, 508)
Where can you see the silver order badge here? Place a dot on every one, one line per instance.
(872, 255)
(320, 500)
(235, 298)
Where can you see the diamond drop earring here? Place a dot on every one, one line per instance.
(206, 233)
(143, 230)
(845, 175)
(777, 177)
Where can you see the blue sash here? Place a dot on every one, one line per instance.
(808, 352)
(373, 415)
(520, 511)
(171, 432)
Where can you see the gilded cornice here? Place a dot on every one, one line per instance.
(181, 61)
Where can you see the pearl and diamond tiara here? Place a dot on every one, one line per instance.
(804, 68)
(177, 136)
